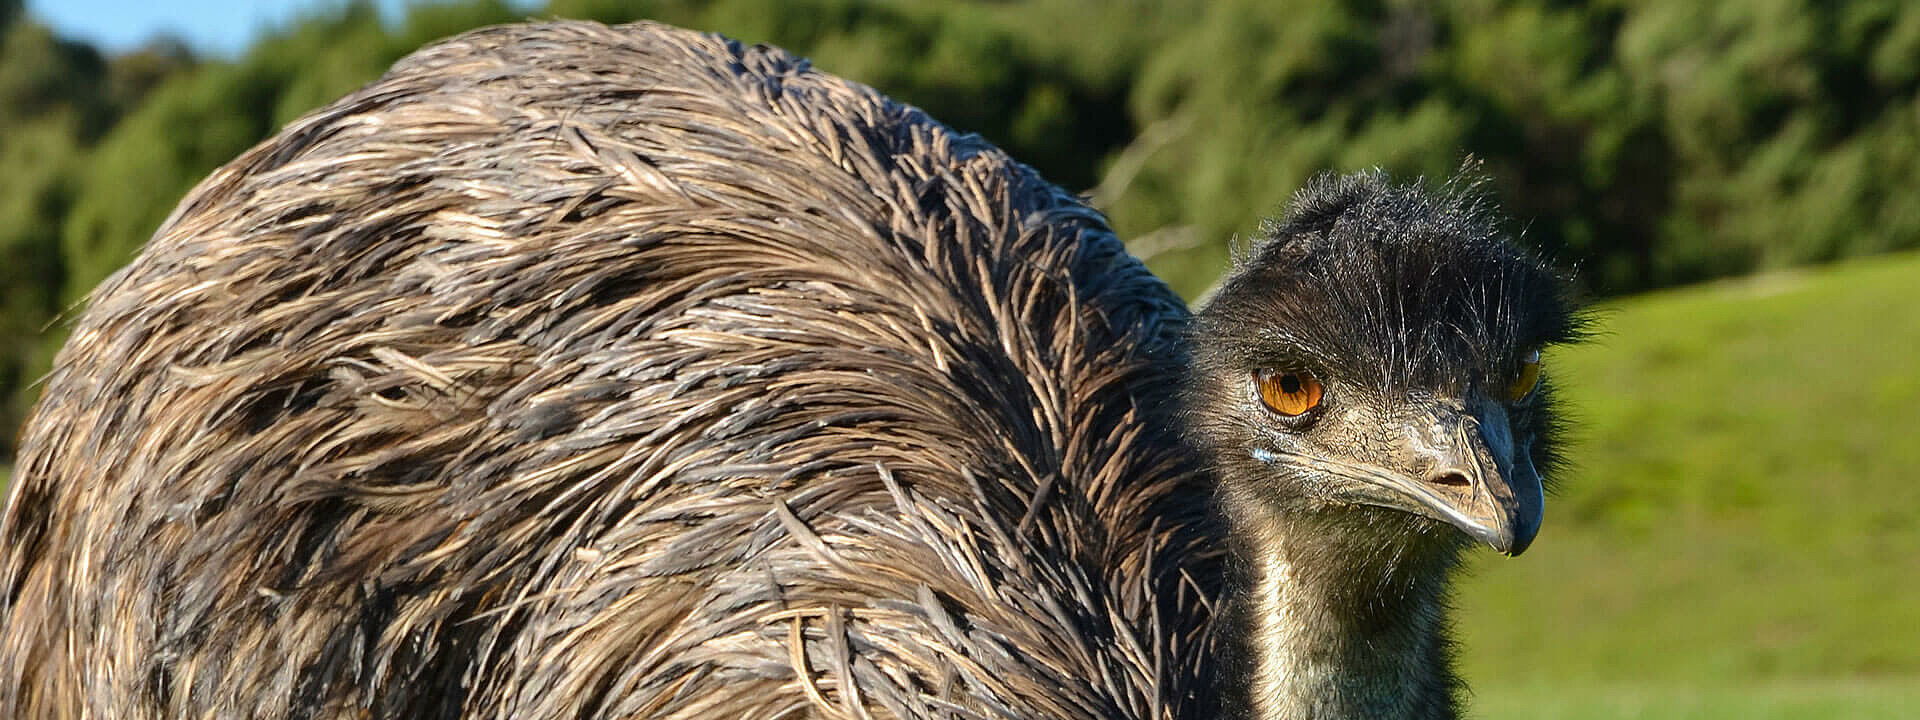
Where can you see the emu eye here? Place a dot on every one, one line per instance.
(1291, 393)
(1527, 378)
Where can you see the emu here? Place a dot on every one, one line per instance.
(571, 371)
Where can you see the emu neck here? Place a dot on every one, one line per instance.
(1337, 625)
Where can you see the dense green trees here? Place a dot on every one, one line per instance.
(1645, 143)
(56, 98)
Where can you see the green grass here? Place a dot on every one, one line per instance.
(1853, 700)
(1741, 535)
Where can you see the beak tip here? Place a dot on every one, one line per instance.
(1507, 540)
(1516, 541)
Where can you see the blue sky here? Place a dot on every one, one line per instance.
(214, 27)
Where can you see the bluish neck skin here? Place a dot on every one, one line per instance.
(1331, 626)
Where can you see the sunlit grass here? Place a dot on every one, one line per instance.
(1745, 516)
(1853, 700)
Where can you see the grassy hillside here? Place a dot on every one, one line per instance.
(1742, 535)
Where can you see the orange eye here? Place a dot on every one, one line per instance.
(1288, 392)
(1527, 379)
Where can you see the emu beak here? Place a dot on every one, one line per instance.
(1466, 469)
(1457, 465)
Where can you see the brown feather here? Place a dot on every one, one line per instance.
(572, 371)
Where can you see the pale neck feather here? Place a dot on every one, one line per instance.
(1325, 639)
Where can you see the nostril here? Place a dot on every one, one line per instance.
(1449, 477)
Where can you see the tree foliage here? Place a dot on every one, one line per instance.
(1645, 143)
(52, 104)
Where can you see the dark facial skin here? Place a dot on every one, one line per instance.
(1459, 460)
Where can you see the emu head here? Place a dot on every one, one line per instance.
(1373, 368)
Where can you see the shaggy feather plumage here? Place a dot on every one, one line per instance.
(585, 372)
(573, 372)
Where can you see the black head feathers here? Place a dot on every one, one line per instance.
(1417, 287)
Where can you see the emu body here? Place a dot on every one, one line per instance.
(572, 372)
(583, 372)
